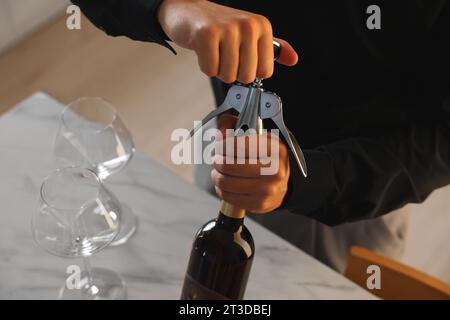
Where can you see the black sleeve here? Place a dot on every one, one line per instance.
(366, 177)
(135, 19)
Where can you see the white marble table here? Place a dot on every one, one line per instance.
(170, 210)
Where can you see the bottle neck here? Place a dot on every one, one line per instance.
(230, 217)
(231, 224)
(231, 211)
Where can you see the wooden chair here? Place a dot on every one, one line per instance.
(398, 281)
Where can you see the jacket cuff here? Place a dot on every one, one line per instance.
(134, 19)
(156, 33)
(309, 196)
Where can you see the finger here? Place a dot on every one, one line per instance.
(265, 56)
(248, 60)
(225, 124)
(229, 57)
(288, 56)
(267, 145)
(207, 50)
(237, 185)
(246, 202)
(243, 201)
(226, 121)
(231, 167)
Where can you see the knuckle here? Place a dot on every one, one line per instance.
(261, 207)
(274, 189)
(221, 182)
(216, 165)
(222, 168)
(281, 174)
(218, 192)
(230, 31)
(214, 174)
(248, 26)
(265, 23)
(217, 161)
(267, 206)
(268, 191)
(207, 32)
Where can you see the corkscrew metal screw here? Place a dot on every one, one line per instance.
(254, 104)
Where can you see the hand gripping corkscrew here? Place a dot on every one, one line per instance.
(255, 104)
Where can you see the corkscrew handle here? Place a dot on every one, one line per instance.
(276, 50)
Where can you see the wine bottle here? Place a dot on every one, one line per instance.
(221, 258)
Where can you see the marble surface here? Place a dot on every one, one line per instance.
(170, 210)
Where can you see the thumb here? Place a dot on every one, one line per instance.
(288, 56)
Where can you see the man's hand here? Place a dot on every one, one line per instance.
(243, 185)
(231, 44)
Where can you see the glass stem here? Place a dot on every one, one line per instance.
(86, 260)
(88, 269)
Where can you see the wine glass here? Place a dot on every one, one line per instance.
(92, 135)
(78, 217)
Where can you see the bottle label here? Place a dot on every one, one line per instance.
(193, 290)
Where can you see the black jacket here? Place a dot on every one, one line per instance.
(371, 108)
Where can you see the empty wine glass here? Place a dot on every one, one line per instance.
(78, 217)
(92, 135)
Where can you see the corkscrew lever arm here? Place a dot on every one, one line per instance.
(213, 114)
(235, 100)
(271, 107)
(292, 143)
